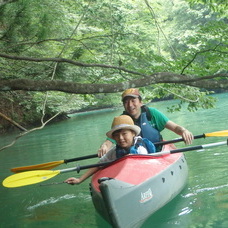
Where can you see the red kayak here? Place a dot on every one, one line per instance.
(132, 188)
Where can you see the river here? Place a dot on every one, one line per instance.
(202, 204)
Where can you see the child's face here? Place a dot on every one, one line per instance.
(124, 138)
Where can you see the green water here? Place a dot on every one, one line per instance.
(203, 202)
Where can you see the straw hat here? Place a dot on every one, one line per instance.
(132, 92)
(123, 122)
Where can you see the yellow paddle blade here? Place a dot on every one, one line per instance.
(30, 177)
(217, 133)
(48, 165)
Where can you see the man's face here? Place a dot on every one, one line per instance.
(124, 138)
(132, 106)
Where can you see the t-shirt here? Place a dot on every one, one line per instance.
(158, 119)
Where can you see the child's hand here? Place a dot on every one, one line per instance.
(72, 181)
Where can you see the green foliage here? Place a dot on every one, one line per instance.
(219, 6)
(190, 97)
(30, 21)
(143, 36)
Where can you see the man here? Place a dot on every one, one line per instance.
(150, 120)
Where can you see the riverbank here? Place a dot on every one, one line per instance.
(16, 117)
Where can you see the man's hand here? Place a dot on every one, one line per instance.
(104, 148)
(187, 136)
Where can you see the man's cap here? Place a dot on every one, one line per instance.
(132, 92)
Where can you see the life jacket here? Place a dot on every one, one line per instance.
(147, 131)
(141, 146)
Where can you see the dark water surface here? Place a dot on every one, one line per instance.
(203, 202)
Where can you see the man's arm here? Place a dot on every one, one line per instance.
(179, 130)
(104, 148)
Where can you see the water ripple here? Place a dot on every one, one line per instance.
(53, 200)
(185, 211)
(204, 190)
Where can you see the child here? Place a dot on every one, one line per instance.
(124, 132)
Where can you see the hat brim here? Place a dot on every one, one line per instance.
(134, 128)
(130, 95)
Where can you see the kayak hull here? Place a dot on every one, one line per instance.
(134, 187)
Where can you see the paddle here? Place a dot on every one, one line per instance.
(50, 165)
(190, 148)
(36, 176)
(212, 134)
(33, 177)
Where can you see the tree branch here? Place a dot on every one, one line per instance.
(12, 122)
(63, 60)
(198, 53)
(29, 131)
(61, 40)
(206, 82)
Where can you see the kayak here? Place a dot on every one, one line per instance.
(132, 188)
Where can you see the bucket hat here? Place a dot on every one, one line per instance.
(123, 122)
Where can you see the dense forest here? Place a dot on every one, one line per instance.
(62, 56)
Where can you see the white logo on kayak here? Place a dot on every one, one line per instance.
(145, 196)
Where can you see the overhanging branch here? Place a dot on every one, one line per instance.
(63, 60)
(206, 82)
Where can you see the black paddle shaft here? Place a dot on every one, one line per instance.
(178, 140)
(81, 158)
(79, 168)
(156, 143)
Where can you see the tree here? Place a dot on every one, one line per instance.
(90, 47)
(216, 5)
(92, 88)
